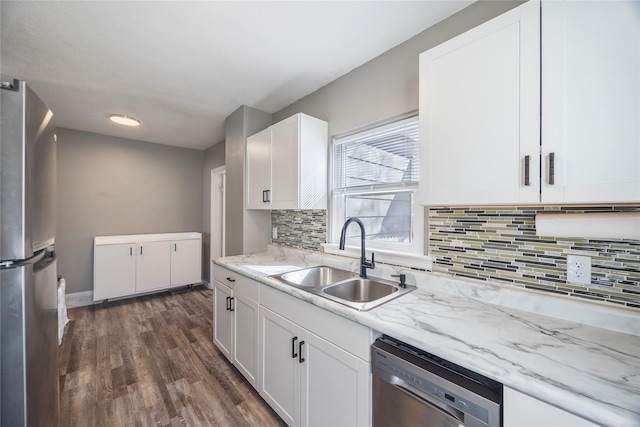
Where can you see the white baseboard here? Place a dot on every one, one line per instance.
(79, 299)
(82, 299)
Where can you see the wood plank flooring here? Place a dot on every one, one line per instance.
(151, 361)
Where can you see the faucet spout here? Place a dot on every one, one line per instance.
(364, 264)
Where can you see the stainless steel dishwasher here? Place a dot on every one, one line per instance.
(414, 388)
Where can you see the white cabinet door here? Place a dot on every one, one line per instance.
(186, 262)
(245, 337)
(115, 271)
(223, 318)
(280, 382)
(332, 378)
(153, 268)
(284, 163)
(480, 114)
(287, 165)
(591, 101)
(258, 170)
(520, 410)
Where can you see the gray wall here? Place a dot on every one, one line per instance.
(246, 231)
(213, 158)
(387, 86)
(109, 186)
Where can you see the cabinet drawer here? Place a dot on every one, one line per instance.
(241, 285)
(344, 333)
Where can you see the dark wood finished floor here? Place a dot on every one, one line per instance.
(151, 361)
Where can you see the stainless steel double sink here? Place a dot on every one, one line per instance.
(343, 286)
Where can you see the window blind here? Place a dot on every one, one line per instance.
(376, 159)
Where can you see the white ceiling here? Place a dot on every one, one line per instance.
(181, 67)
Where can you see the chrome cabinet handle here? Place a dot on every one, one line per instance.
(231, 304)
(268, 196)
(264, 196)
(293, 347)
(300, 358)
(552, 168)
(527, 165)
(228, 303)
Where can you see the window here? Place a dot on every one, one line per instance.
(375, 178)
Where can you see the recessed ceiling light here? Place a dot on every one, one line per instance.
(121, 119)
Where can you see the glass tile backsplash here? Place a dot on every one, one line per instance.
(499, 245)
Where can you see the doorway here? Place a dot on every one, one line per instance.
(218, 187)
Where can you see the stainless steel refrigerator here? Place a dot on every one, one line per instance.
(29, 390)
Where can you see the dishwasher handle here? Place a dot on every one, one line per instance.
(415, 393)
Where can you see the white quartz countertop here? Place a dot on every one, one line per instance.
(585, 370)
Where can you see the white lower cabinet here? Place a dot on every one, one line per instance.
(307, 379)
(141, 263)
(521, 410)
(235, 331)
(334, 385)
(153, 267)
(223, 322)
(280, 385)
(114, 271)
(311, 366)
(186, 262)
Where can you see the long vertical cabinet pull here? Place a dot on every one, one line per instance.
(527, 166)
(552, 168)
(293, 347)
(228, 303)
(268, 196)
(175, 247)
(130, 251)
(140, 249)
(300, 358)
(231, 304)
(264, 196)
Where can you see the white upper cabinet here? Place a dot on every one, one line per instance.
(258, 169)
(591, 101)
(479, 113)
(287, 165)
(486, 138)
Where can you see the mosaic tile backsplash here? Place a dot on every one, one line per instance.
(302, 229)
(499, 244)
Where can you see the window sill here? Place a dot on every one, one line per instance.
(386, 257)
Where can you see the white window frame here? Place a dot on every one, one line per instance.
(409, 255)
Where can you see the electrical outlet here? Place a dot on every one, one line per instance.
(579, 269)
(274, 233)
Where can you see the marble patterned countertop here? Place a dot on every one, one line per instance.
(579, 356)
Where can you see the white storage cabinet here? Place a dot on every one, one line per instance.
(480, 108)
(135, 264)
(521, 410)
(314, 364)
(287, 165)
(236, 320)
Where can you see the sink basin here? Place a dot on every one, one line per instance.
(360, 290)
(364, 294)
(343, 286)
(314, 276)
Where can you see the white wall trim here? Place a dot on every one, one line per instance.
(79, 299)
